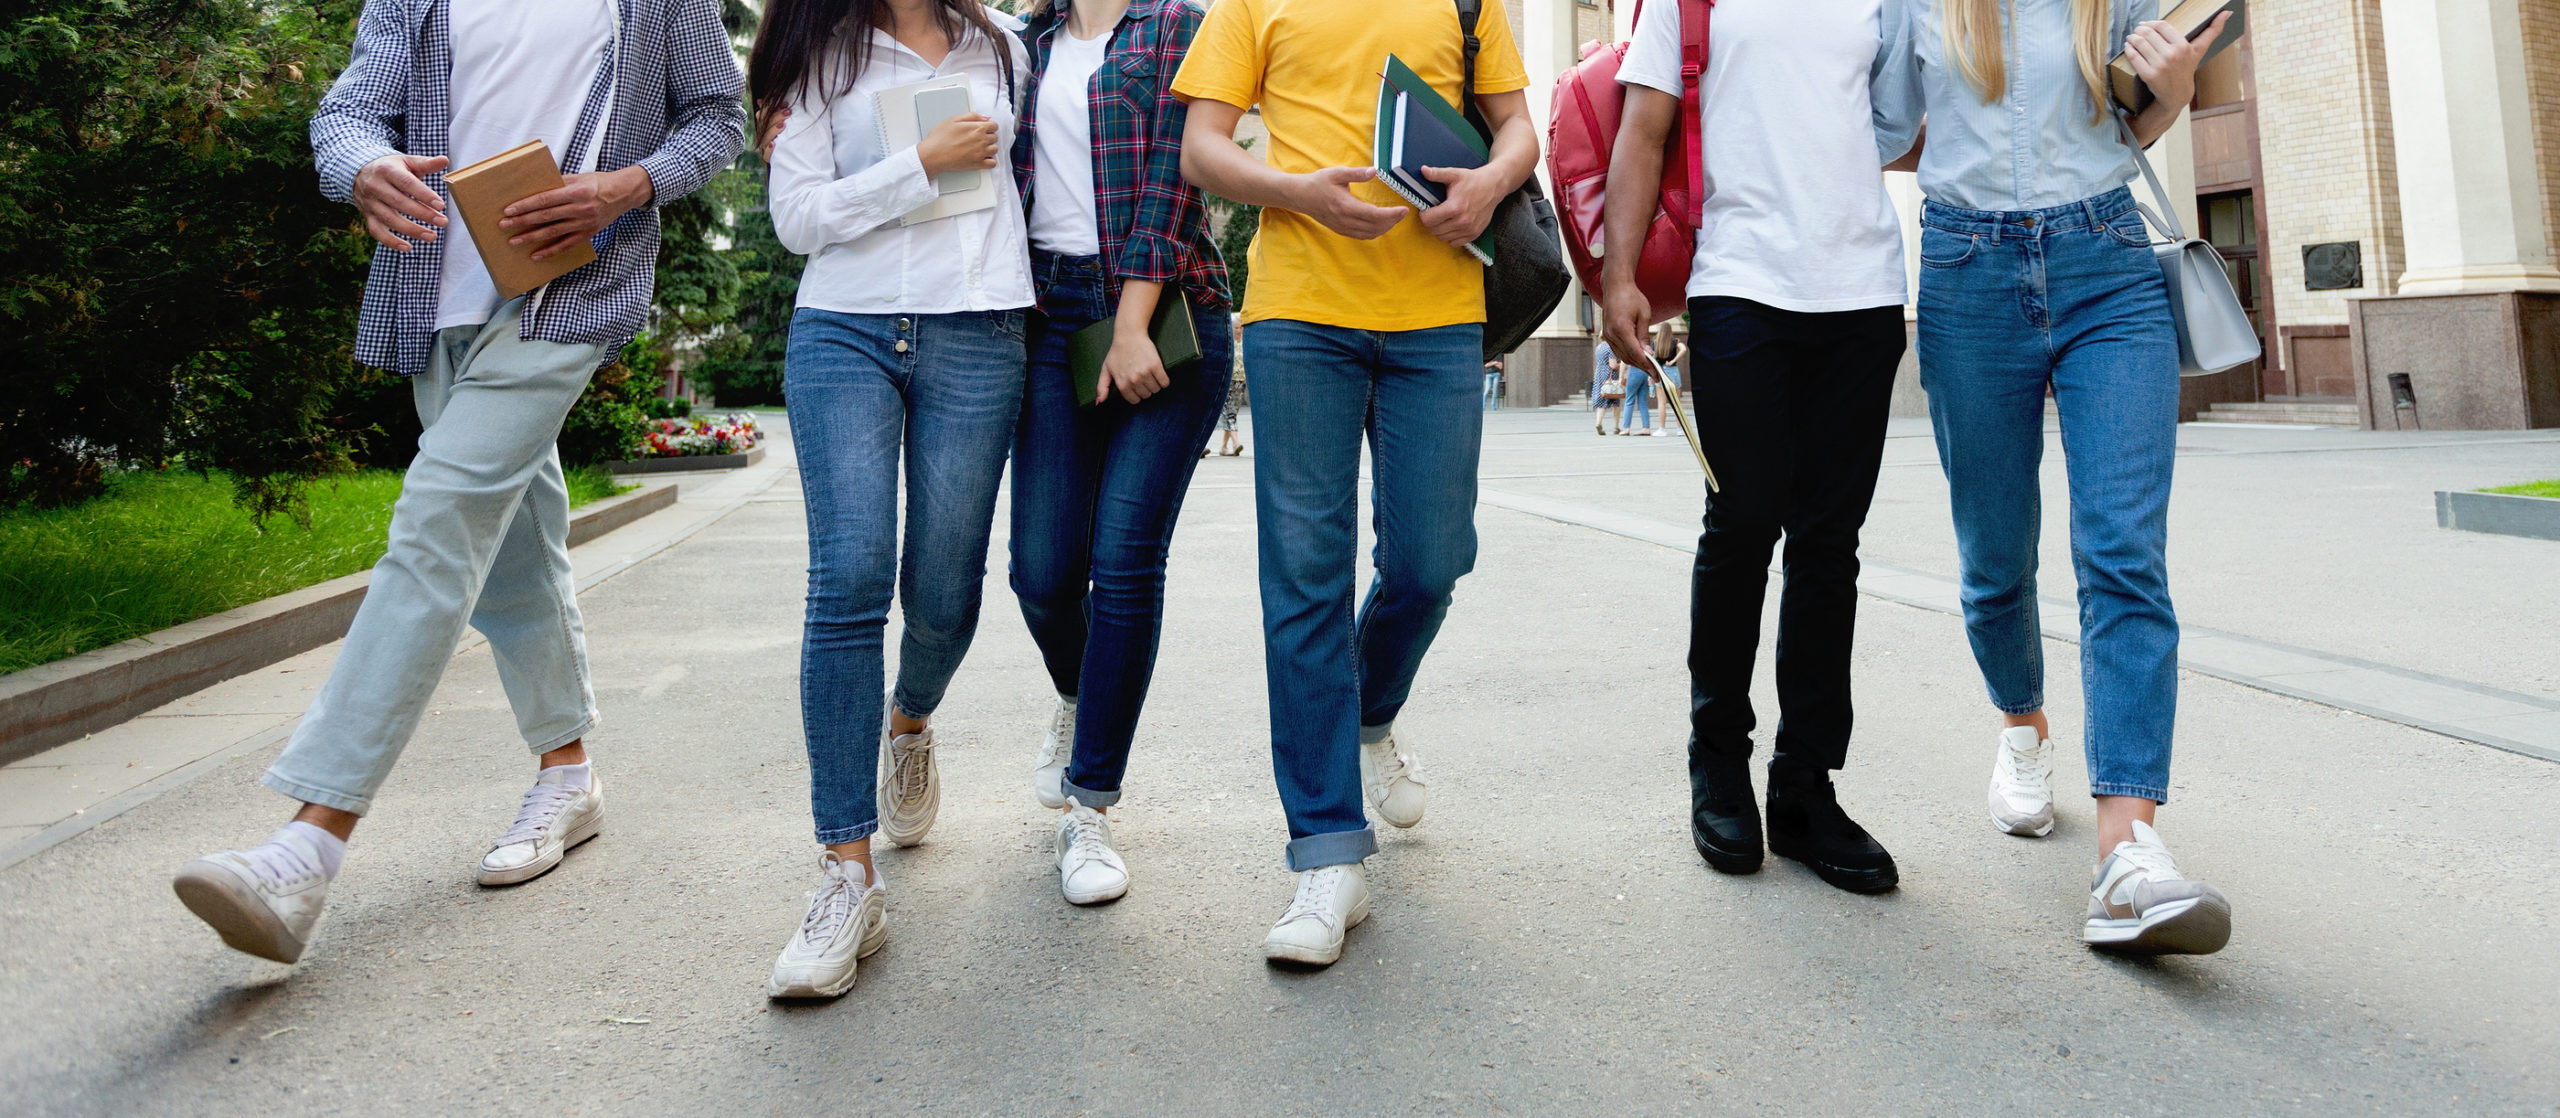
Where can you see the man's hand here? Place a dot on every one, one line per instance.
(397, 205)
(1625, 324)
(1473, 194)
(1326, 197)
(962, 143)
(555, 219)
(2167, 61)
(772, 131)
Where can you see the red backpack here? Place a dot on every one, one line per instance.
(1582, 129)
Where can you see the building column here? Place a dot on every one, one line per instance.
(2462, 116)
(1557, 358)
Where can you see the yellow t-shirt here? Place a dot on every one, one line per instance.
(1313, 66)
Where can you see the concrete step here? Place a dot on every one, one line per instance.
(2306, 413)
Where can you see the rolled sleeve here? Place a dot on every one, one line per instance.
(813, 208)
(1653, 52)
(1894, 90)
(356, 121)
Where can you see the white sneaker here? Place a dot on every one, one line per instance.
(2022, 783)
(910, 786)
(1049, 773)
(265, 900)
(848, 920)
(1089, 870)
(556, 816)
(1393, 781)
(2139, 903)
(1331, 901)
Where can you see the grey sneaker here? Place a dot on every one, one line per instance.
(2140, 905)
(555, 817)
(910, 786)
(848, 919)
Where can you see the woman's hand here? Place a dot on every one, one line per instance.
(2167, 61)
(772, 131)
(1133, 367)
(962, 143)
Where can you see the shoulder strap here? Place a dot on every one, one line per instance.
(2166, 218)
(1694, 16)
(1468, 12)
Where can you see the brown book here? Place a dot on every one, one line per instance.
(2190, 17)
(484, 190)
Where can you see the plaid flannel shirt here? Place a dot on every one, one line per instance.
(1152, 223)
(677, 113)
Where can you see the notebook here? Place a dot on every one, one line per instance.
(2190, 17)
(1177, 341)
(1417, 128)
(484, 190)
(905, 114)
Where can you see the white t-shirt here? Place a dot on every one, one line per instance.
(521, 71)
(1062, 216)
(1796, 212)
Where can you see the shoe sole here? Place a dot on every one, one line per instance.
(1097, 897)
(1842, 877)
(2024, 826)
(231, 906)
(545, 864)
(871, 942)
(1317, 956)
(2200, 926)
(1725, 861)
(1399, 824)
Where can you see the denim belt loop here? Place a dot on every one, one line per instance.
(1995, 224)
(2089, 206)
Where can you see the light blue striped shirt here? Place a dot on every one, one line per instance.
(2034, 147)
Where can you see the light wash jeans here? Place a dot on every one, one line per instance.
(480, 534)
(1336, 679)
(944, 389)
(2071, 298)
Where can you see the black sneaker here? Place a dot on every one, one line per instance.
(1724, 820)
(1806, 824)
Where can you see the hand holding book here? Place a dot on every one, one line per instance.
(1325, 196)
(1461, 217)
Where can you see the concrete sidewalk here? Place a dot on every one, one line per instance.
(1545, 942)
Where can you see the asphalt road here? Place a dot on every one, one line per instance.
(1545, 942)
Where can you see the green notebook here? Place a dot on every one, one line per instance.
(1177, 343)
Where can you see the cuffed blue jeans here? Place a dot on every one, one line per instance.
(1336, 677)
(1096, 490)
(943, 390)
(2070, 299)
(479, 534)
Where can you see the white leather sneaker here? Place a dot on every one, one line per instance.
(2138, 903)
(556, 815)
(1331, 901)
(2022, 783)
(848, 919)
(265, 900)
(1392, 781)
(1089, 870)
(1057, 747)
(910, 786)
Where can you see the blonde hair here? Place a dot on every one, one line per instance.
(1972, 29)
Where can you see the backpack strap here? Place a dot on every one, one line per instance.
(1468, 12)
(1694, 16)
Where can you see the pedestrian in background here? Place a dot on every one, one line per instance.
(2037, 276)
(1098, 483)
(1637, 413)
(1603, 363)
(905, 352)
(1231, 444)
(1492, 384)
(479, 535)
(1613, 398)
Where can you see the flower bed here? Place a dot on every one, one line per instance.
(699, 435)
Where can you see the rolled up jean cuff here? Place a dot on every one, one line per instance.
(1087, 796)
(2155, 795)
(1333, 848)
(585, 726)
(352, 805)
(855, 833)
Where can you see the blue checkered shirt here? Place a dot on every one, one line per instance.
(677, 112)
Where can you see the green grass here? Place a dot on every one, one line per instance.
(2549, 488)
(160, 549)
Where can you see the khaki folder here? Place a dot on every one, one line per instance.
(484, 190)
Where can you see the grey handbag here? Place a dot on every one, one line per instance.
(2214, 331)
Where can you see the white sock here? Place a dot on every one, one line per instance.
(332, 849)
(580, 775)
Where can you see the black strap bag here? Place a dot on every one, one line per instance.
(1527, 277)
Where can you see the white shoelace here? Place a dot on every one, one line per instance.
(2032, 769)
(831, 905)
(1401, 762)
(1062, 735)
(1315, 895)
(907, 767)
(280, 864)
(2139, 861)
(542, 806)
(1087, 843)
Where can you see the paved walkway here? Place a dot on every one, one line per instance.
(1545, 943)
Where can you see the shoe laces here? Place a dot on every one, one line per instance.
(832, 904)
(909, 763)
(2135, 861)
(1062, 734)
(542, 805)
(1400, 762)
(279, 864)
(1086, 843)
(2031, 769)
(1315, 895)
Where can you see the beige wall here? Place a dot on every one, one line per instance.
(2541, 19)
(2324, 141)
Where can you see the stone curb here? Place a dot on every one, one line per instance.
(688, 464)
(2500, 514)
(49, 704)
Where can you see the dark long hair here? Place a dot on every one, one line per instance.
(795, 50)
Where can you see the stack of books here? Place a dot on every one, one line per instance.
(1418, 128)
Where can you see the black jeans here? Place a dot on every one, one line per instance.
(1791, 412)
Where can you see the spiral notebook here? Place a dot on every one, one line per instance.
(905, 114)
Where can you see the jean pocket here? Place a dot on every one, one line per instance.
(2128, 231)
(1944, 248)
(1011, 324)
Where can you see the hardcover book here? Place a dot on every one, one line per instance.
(2190, 17)
(484, 190)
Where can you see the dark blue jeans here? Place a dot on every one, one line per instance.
(1095, 492)
(2070, 299)
(942, 389)
(1318, 392)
